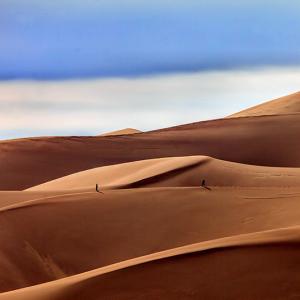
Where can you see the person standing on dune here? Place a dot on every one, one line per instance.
(203, 184)
(97, 188)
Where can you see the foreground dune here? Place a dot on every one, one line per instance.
(51, 238)
(175, 172)
(208, 269)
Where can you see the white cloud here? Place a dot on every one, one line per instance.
(97, 105)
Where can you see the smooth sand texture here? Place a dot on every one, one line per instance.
(153, 232)
(185, 171)
(94, 230)
(285, 105)
(124, 131)
(8, 198)
(213, 260)
(270, 140)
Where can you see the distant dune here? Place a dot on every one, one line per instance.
(155, 230)
(285, 105)
(268, 140)
(125, 131)
(249, 140)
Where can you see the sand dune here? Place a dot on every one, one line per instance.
(269, 141)
(154, 232)
(12, 198)
(94, 230)
(175, 172)
(124, 131)
(215, 259)
(285, 105)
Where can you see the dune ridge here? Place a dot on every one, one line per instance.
(143, 221)
(285, 105)
(243, 140)
(175, 171)
(125, 131)
(55, 288)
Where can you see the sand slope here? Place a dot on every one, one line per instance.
(153, 232)
(217, 265)
(175, 172)
(124, 131)
(8, 198)
(94, 230)
(285, 105)
(270, 140)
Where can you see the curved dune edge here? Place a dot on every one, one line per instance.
(50, 289)
(125, 131)
(122, 175)
(56, 196)
(34, 201)
(285, 105)
(175, 172)
(143, 221)
(15, 198)
(256, 139)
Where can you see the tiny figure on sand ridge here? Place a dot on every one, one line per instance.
(97, 189)
(203, 184)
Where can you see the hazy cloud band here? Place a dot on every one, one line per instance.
(90, 107)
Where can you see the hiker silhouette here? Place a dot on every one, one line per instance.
(203, 184)
(97, 189)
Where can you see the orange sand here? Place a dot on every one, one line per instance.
(153, 232)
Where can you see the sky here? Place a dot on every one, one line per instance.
(89, 66)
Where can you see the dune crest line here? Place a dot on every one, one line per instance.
(282, 235)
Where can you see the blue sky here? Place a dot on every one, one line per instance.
(95, 38)
(71, 67)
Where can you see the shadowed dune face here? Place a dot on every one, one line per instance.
(265, 272)
(286, 105)
(270, 141)
(89, 230)
(135, 278)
